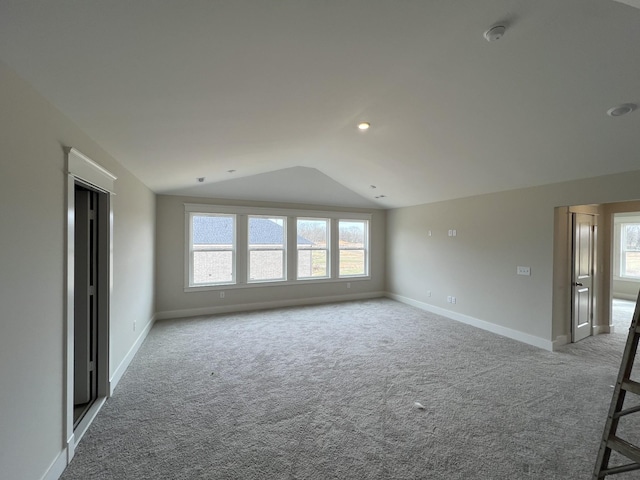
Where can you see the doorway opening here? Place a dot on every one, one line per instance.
(616, 269)
(86, 301)
(88, 287)
(625, 264)
(91, 239)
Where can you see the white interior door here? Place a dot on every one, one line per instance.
(583, 274)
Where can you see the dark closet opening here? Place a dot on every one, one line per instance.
(86, 301)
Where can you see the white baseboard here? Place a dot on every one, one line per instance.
(245, 307)
(126, 361)
(560, 341)
(598, 329)
(476, 322)
(71, 448)
(57, 466)
(614, 329)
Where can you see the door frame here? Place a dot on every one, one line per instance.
(83, 171)
(593, 293)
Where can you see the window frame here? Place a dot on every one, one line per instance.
(191, 250)
(623, 251)
(326, 249)
(365, 247)
(241, 258)
(264, 249)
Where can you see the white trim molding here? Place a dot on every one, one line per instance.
(599, 329)
(246, 307)
(54, 472)
(126, 361)
(267, 211)
(560, 341)
(476, 322)
(85, 169)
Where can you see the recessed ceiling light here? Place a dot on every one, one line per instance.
(364, 125)
(201, 179)
(620, 110)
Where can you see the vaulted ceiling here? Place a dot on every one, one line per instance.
(262, 97)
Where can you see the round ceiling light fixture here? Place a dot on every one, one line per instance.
(364, 126)
(620, 110)
(495, 33)
(200, 179)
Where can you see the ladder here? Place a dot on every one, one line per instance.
(610, 441)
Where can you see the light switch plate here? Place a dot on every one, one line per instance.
(524, 271)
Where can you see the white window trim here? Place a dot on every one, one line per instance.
(620, 259)
(367, 251)
(275, 212)
(256, 249)
(189, 260)
(327, 249)
(241, 247)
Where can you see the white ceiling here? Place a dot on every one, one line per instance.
(179, 90)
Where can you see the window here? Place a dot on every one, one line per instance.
(630, 250)
(266, 245)
(353, 244)
(212, 249)
(249, 247)
(313, 248)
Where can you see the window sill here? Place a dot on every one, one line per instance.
(239, 286)
(626, 279)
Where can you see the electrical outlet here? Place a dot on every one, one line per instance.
(453, 299)
(221, 294)
(429, 232)
(455, 232)
(449, 299)
(524, 271)
(428, 293)
(451, 233)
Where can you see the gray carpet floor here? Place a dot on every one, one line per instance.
(621, 314)
(329, 392)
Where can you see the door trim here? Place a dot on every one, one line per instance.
(595, 212)
(79, 172)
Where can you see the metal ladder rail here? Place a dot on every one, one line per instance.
(623, 385)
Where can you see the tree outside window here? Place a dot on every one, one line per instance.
(353, 242)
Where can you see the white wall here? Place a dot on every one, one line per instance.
(172, 301)
(495, 234)
(32, 272)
